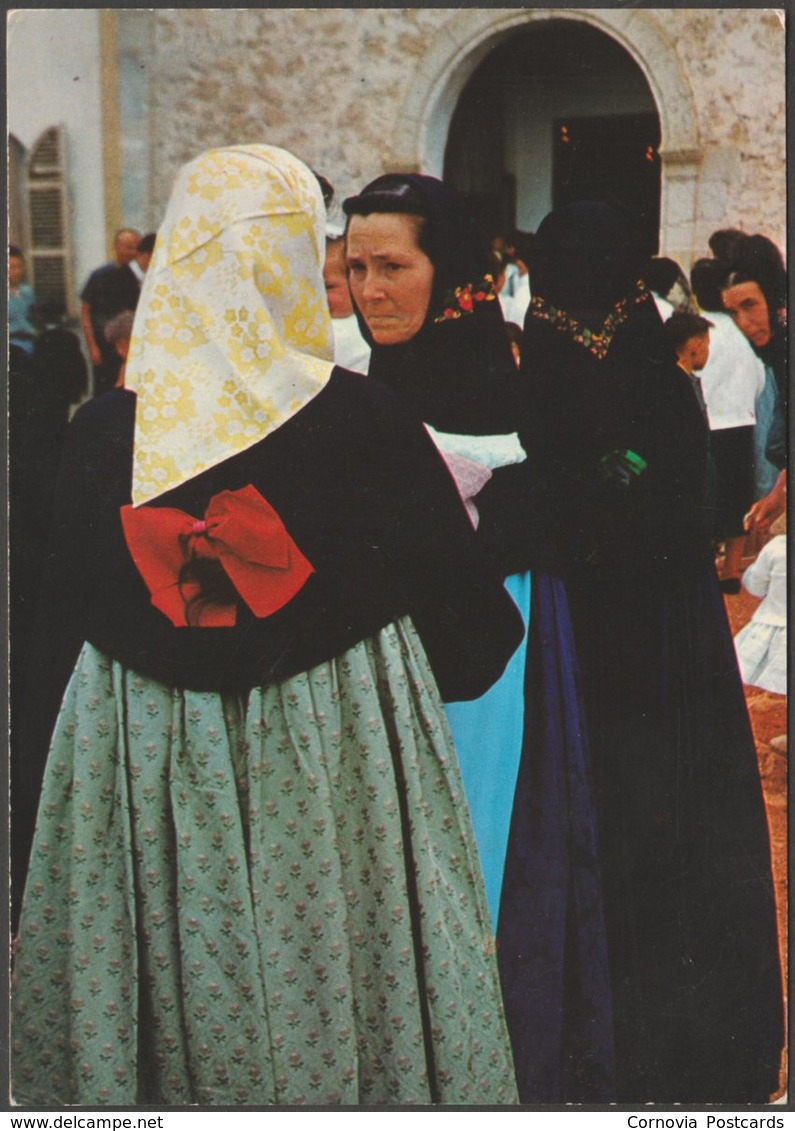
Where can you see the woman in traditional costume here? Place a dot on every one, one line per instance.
(438, 339)
(254, 878)
(617, 446)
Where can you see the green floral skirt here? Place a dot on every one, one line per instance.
(270, 898)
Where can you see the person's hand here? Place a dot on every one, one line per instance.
(765, 511)
(96, 355)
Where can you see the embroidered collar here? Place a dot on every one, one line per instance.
(596, 342)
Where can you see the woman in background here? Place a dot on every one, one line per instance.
(616, 437)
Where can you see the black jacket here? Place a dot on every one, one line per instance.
(364, 494)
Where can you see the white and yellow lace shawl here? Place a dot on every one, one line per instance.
(232, 334)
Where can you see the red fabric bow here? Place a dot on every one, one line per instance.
(241, 529)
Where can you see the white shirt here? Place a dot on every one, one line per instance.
(514, 306)
(767, 578)
(733, 377)
(351, 351)
(511, 279)
(665, 307)
(471, 458)
(491, 451)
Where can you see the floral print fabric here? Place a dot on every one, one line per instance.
(232, 333)
(217, 909)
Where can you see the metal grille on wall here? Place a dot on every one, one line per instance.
(48, 225)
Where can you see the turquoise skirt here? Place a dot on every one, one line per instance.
(488, 735)
(262, 899)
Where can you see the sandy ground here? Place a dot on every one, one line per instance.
(769, 719)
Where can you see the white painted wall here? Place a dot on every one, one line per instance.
(53, 77)
(533, 105)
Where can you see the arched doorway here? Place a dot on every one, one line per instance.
(556, 112)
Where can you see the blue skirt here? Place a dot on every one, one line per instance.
(551, 937)
(488, 734)
(525, 763)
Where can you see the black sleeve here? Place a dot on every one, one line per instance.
(85, 486)
(514, 531)
(468, 624)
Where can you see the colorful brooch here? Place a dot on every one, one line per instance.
(463, 300)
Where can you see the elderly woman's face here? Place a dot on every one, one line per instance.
(391, 277)
(748, 307)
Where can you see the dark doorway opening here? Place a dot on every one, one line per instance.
(612, 159)
(504, 150)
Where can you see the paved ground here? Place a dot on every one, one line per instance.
(769, 719)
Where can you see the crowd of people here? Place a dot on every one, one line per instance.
(383, 719)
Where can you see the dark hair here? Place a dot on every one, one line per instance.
(756, 259)
(15, 252)
(707, 278)
(660, 274)
(680, 327)
(723, 242)
(147, 243)
(391, 193)
(59, 363)
(326, 188)
(523, 244)
(214, 586)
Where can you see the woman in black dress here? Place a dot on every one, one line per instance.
(438, 339)
(617, 448)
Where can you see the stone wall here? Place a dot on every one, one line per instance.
(325, 84)
(330, 84)
(735, 62)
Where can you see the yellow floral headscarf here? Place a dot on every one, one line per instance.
(232, 334)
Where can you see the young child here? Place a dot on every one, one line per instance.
(689, 336)
(762, 644)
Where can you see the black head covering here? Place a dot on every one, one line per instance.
(602, 381)
(459, 372)
(759, 260)
(661, 273)
(586, 259)
(756, 259)
(706, 279)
